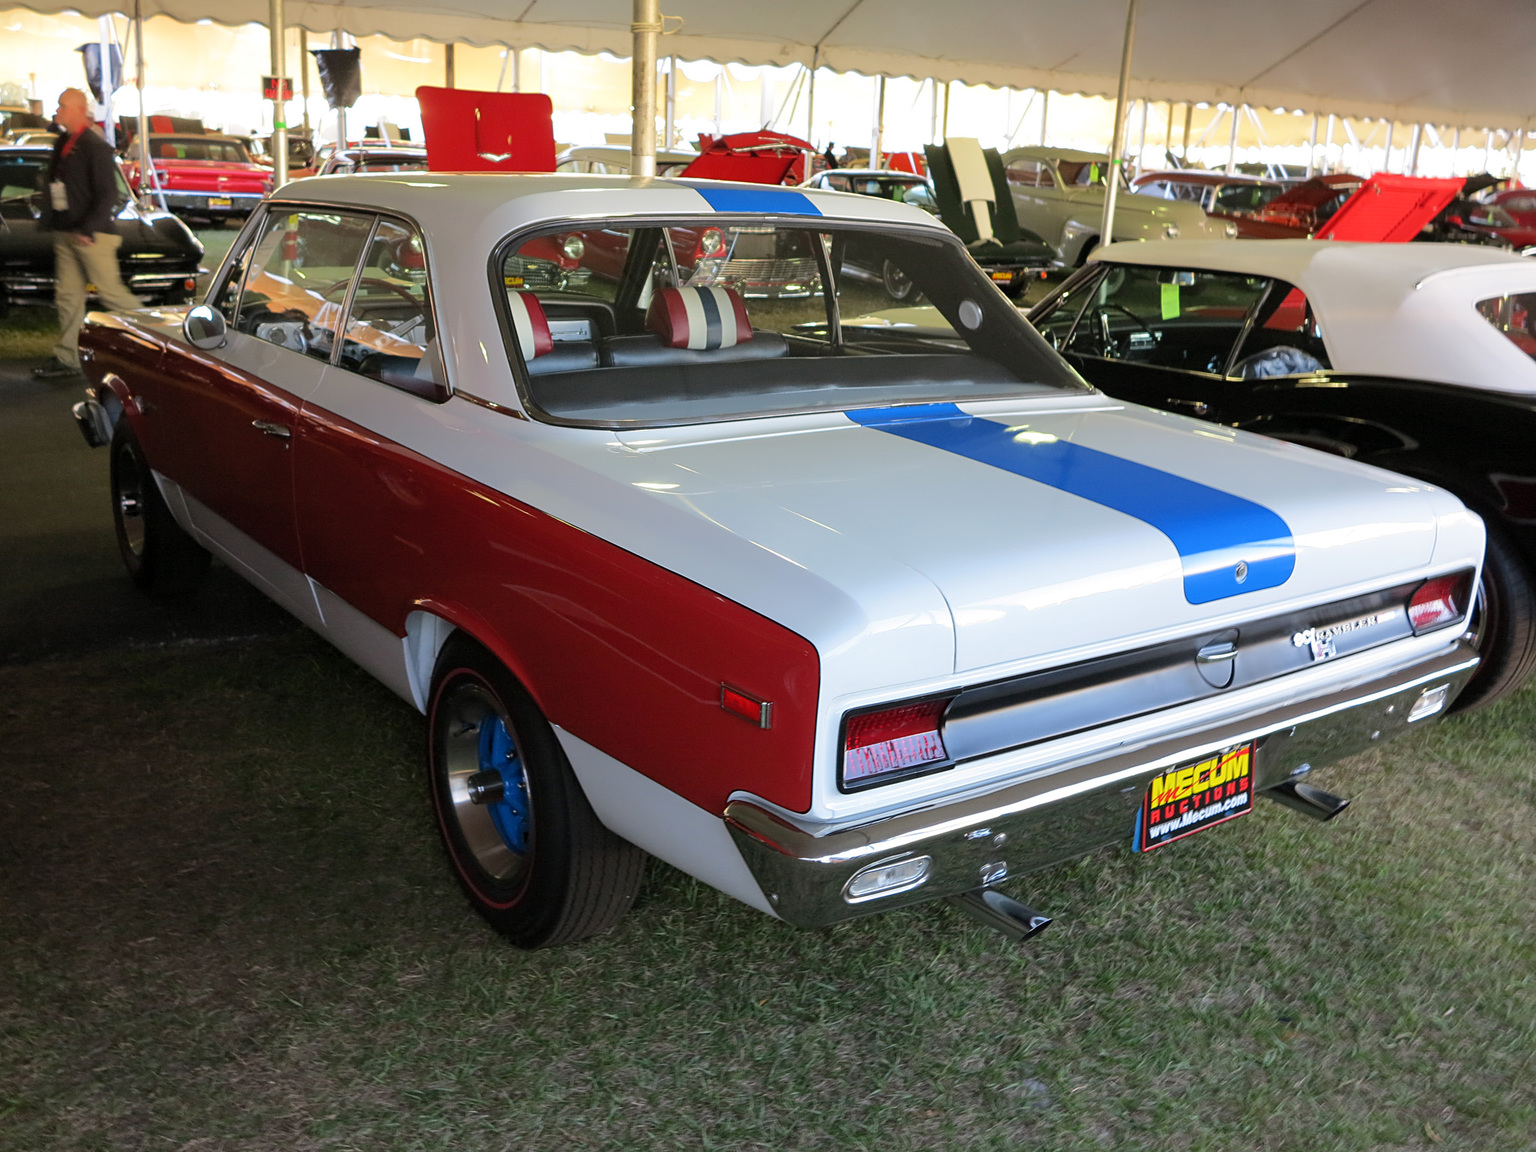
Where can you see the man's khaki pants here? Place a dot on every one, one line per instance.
(78, 265)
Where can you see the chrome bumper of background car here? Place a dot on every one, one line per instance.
(984, 838)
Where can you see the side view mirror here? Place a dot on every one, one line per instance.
(205, 328)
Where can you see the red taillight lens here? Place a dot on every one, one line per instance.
(876, 743)
(1440, 601)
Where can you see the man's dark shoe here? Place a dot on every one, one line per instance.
(54, 370)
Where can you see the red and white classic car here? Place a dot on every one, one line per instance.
(836, 619)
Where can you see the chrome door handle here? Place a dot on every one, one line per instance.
(1216, 653)
(1198, 407)
(270, 428)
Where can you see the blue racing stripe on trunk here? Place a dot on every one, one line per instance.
(773, 201)
(1228, 545)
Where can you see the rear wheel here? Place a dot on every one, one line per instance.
(898, 285)
(1502, 625)
(525, 845)
(160, 556)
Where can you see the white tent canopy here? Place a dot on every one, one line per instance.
(1413, 60)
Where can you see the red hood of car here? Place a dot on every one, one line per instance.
(1390, 209)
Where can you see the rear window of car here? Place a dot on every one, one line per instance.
(195, 148)
(1515, 316)
(713, 319)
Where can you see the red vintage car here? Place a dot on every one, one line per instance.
(203, 175)
(1509, 215)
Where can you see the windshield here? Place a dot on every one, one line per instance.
(1086, 173)
(708, 320)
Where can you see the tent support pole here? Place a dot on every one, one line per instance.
(149, 183)
(1141, 136)
(1455, 150)
(448, 66)
(876, 140)
(304, 76)
(1413, 150)
(646, 29)
(1232, 140)
(1312, 149)
(949, 93)
(670, 126)
(1189, 122)
(1386, 160)
(810, 98)
(1117, 137)
(1045, 114)
(1328, 144)
(275, 24)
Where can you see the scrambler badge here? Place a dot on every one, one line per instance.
(1190, 797)
(1324, 641)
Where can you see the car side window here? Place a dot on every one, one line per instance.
(301, 267)
(1187, 319)
(921, 196)
(1284, 338)
(390, 335)
(1029, 174)
(1515, 316)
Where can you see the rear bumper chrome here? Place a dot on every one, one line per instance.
(987, 836)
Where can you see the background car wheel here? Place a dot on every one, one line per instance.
(898, 285)
(524, 843)
(1503, 626)
(160, 556)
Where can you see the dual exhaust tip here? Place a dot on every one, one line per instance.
(1019, 922)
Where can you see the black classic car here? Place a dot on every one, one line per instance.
(1418, 358)
(159, 255)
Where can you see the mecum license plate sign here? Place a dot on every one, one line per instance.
(1190, 797)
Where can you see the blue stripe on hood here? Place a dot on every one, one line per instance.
(1212, 530)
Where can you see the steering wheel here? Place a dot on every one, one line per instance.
(1106, 340)
(372, 282)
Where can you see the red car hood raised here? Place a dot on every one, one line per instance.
(1390, 209)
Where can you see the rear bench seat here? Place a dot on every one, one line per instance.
(687, 326)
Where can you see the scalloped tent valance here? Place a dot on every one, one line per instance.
(1412, 60)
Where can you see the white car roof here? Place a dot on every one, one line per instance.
(1053, 154)
(450, 205)
(1405, 310)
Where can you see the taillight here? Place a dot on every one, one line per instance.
(1440, 601)
(892, 740)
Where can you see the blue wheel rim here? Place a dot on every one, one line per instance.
(498, 753)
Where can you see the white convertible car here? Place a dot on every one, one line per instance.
(835, 619)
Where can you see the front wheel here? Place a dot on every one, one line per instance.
(525, 845)
(1502, 626)
(159, 555)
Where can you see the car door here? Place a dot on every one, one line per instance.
(369, 509)
(1163, 337)
(235, 409)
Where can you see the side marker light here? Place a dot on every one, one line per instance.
(747, 706)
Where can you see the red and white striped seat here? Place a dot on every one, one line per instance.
(530, 324)
(702, 319)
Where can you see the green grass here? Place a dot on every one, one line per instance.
(227, 925)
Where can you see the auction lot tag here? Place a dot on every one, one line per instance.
(1190, 797)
